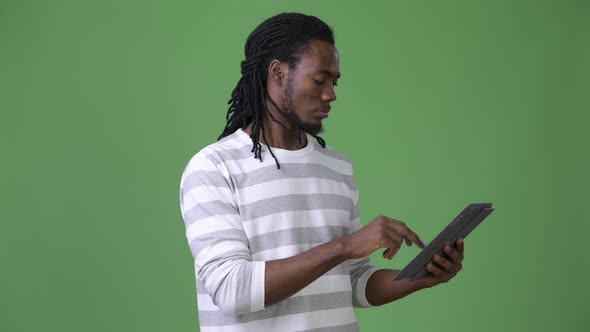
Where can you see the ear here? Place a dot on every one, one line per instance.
(277, 72)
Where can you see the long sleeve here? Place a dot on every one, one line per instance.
(217, 240)
(360, 269)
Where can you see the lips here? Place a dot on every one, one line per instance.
(323, 112)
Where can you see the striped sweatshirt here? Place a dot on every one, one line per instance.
(240, 212)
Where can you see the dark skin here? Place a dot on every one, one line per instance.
(307, 92)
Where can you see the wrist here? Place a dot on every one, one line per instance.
(422, 284)
(344, 247)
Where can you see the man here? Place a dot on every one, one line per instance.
(271, 212)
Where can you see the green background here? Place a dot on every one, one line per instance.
(440, 104)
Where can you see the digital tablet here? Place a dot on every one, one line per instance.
(461, 226)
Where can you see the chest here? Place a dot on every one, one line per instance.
(286, 213)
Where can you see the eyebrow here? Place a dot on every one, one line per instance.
(329, 73)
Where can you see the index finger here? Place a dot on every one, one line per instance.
(414, 238)
(409, 234)
(400, 228)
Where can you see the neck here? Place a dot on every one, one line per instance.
(278, 136)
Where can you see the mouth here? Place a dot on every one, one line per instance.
(323, 112)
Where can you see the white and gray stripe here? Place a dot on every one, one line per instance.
(239, 211)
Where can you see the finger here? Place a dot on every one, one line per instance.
(386, 253)
(414, 238)
(404, 232)
(435, 271)
(460, 246)
(388, 239)
(408, 242)
(401, 228)
(393, 252)
(390, 252)
(395, 236)
(454, 255)
(444, 264)
(391, 238)
(391, 249)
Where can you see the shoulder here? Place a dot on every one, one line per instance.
(333, 159)
(213, 156)
(331, 153)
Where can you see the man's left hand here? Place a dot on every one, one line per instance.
(443, 269)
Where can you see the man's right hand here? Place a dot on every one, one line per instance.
(286, 276)
(382, 232)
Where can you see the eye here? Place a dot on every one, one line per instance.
(320, 82)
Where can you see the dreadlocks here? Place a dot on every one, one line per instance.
(283, 37)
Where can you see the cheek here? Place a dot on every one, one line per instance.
(307, 94)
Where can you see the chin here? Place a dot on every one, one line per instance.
(312, 128)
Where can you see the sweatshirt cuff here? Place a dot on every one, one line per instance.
(257, 290)
(361, 286)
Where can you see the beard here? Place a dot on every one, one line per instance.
(286, 110)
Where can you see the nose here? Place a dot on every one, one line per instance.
(329, 94)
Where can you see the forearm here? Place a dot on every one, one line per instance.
(285, 277)
(382, 289)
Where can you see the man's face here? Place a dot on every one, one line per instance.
(310, 86)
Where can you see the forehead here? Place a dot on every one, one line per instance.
(319, 56)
